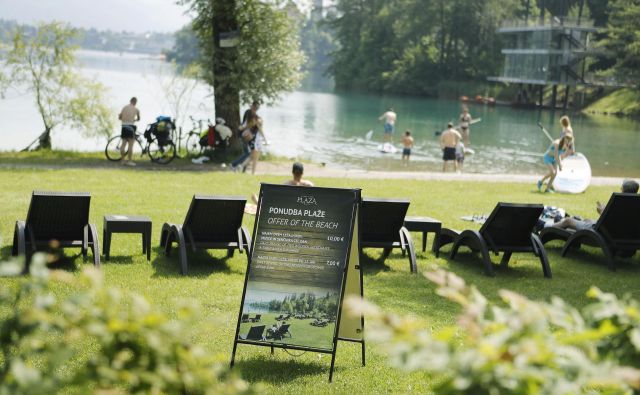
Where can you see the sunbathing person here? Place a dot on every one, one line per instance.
(628, 186)
(297, 172)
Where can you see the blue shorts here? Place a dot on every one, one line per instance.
(388, 128)
(549, 160)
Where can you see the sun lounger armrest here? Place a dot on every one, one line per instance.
(92, 235)
(404, 233)
(19, 239)
(244, 240)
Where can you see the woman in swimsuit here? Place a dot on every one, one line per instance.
(552, 158)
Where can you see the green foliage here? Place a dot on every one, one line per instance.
(623, 39)
(138, 349)
(186, 48)
(267, 59)
(408, 46)
(44, 64)
(520, 346)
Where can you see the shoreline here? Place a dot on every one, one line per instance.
(313, 170)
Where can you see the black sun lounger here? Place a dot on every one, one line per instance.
(255, 333)
(616, 233)
(508, 229)
(60, 216)
(382, 226)
(212, 222)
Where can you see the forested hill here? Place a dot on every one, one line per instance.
(100, 40)
(411, 46)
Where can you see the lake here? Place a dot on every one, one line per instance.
(331, 128)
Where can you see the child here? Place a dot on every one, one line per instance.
(407, 142)
(460, 155)
(552, 158)
(566, 129)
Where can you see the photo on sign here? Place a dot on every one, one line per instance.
(289, 314)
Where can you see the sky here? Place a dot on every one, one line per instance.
(129, 15)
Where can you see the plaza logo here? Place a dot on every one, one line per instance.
(307, 200)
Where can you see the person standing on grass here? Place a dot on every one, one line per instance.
(465, 122)
(407, 143)
(129, 115)
(448, 141)
(258, 146)
(553, 159)
(389, 118)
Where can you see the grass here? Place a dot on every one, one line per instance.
(216, 282)
(625, 101)
(66, 159)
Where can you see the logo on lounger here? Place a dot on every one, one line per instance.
(307, 200)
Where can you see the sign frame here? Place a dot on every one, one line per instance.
(353, 236)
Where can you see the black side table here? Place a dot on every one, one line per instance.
(424, 225)
(126, 224)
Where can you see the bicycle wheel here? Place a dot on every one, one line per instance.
(112, 150)
(161, 153)
(193, 146)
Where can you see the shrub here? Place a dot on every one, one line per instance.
(98, 338)
(518, 347)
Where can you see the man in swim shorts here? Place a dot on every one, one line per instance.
(390, 118)
(128, 116)
(448, 141)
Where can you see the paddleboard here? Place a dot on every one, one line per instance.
(387, 148)
(575, 176)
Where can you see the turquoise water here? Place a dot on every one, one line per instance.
(331, 128)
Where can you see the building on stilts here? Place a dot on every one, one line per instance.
(545, 52)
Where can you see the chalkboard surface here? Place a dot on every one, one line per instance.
(301, 244)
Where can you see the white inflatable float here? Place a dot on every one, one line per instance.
(575, 176)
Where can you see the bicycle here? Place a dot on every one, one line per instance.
(159, 150)
(192, 144)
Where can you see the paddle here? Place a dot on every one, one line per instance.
(368, 135)
(472, 122)
(545, 132)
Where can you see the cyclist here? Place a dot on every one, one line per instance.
(128, 115)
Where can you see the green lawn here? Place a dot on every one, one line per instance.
(216, 282)
(312, 336)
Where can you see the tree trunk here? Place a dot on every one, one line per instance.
(44, 141)
(226, 92)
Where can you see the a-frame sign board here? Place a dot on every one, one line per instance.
(304, 259)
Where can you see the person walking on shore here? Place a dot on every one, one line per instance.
(389, 118)
(129, 115)
(252, 111)
(407, 143)
(465, 122)
(448, 141)
(553, 159)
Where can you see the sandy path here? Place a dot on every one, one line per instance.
(314, 170)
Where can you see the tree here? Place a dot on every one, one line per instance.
(623, 39)
(264, 61)
(44, 64)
